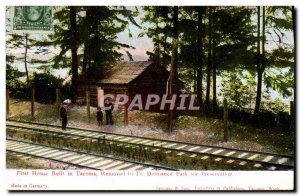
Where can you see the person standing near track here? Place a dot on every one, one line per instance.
(63, 114)
(108, 111)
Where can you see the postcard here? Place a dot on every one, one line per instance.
(150, 98)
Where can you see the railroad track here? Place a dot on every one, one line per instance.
(77, 158)
(242, 157)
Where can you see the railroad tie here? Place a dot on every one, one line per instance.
(193, 155)
(68, 159)
(205, 150)
(218, 151)
(149, 143)
(257, 165)
(180, 147)
(218, 159)
(243, 155)
(194, 148)
(112, 166)
(243, 163)
(47, 152)
(253, 157)
(148, 169)
(118, 137)
(100, 164)
(170, 145)
(93, 134)
(55, 154)
(230, 161)
(125, 139)
(230, 153)
(204, 157)
(268, 158)
(82, 160)
(272, 168)
(160, 144)
(283, 160)
(124, 165)
(145, 141)
(135, 167)
(90, 161)
(14, 145)
(136, 140)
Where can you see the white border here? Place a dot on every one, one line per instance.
(110, 2)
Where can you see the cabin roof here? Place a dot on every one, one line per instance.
(125, 72)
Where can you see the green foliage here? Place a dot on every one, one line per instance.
(239, 94)
(12, 74)
(97, 29)
(160, 31)
(45, 86)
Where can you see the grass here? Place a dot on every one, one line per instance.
(192, 129)
(13, 162)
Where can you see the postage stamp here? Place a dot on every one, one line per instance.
(32, 18)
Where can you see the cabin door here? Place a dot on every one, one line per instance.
(100, 95)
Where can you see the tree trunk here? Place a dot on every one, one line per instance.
(294, 35)
(259, 75)
(209, 62)
(200, 38)
(73, 29)
(214, 63)
(175, 36)
(294, 24)
(174, 60)
(25, 61)
(262, 66)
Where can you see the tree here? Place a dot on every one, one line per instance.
(229, 41)
(96, 47)
(209, 59)
(160, 31)
(173, 72)
(74, 66)
(200, 38)
(280, 57)
(260, 59)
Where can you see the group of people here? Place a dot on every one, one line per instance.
(108, 112)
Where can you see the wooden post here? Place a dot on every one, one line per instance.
(88, 100)
(7, 103)
(292, 114)
(57, 100)
(32, 101)
(225, 116)
(126, 112)
(292, 109)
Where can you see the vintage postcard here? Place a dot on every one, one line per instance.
(150, 98)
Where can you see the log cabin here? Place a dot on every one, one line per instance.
(130, 78)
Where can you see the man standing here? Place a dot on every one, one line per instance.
(63, 117)
(99, 116)
(108, 111)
